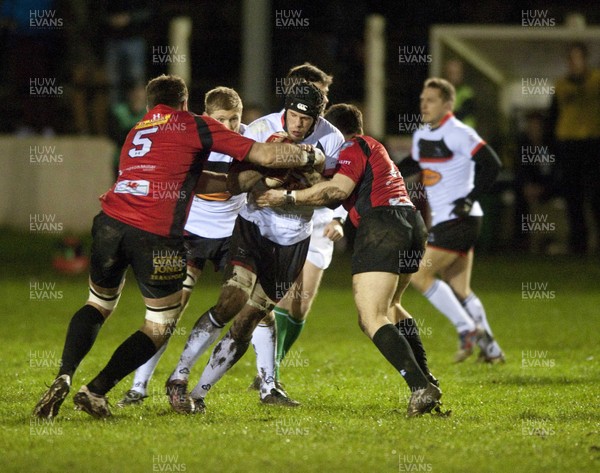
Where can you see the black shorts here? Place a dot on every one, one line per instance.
(158, 262)
(389, 239)
(458, 235)
(276, 266)
(199, 250)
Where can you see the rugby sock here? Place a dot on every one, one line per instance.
(474, 307)
(294, 329)
(225, 354)
(281, 322)
(444, 300)
(203, 335)
(409, 330)
(264, 341)
(81, 334)
(145, 372)
(397, 351)
(132, 353)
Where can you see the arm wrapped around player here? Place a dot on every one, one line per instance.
(292, 179)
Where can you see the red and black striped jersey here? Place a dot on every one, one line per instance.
(378, 180)
(160, 164)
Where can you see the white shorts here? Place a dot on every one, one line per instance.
(320, 250)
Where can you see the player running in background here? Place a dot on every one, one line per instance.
(208, 227)
(292, 310)
(457, 168)
(268, 250)
(139, 227)
(390, 241)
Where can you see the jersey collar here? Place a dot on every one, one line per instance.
(444, 119)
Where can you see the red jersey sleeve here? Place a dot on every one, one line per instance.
(224, 140)
(352, 161)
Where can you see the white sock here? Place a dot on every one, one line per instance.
(144, 372)
(444, 300)
(205, 332)
(264, 342)
(474, 307)
(491, 350)
(225, 354)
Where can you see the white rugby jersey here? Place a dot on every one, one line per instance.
(445, 156)
(290, 225)
(213, 215)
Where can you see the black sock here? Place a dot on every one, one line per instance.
(130, 355)
(409, 330)
(81, 334)
(397, 351)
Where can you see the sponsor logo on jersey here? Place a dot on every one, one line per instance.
(132, 187)
(157, 119)
(431, 177)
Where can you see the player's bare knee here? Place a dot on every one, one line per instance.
(160, 322)
(362, 325)
(158, 333)
(422, 282)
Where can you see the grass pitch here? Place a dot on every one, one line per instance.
(537, 413)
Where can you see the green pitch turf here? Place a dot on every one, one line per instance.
(537, 413)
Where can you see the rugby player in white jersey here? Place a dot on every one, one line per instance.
(457, 168)
(208, 227)
(267, 252)
(291, 312)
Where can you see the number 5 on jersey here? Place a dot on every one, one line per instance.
(140, 140)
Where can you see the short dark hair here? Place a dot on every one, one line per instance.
(168, 90)
(346, 117)
(222, 98)
(446, 88)
(311, 73)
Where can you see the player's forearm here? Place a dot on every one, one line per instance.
(284, 155)
(324, 194)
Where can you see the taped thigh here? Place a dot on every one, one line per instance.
(163, 315)
(189, 281)
(106, 301)
(241, 278)
(260, 300)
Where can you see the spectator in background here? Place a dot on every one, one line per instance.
(125, 22)
(535, 173)
(575, 122)
(124, 116)
(464, 107)
(87, 91)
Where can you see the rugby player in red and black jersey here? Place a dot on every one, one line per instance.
(390, 242)
(141, 225)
